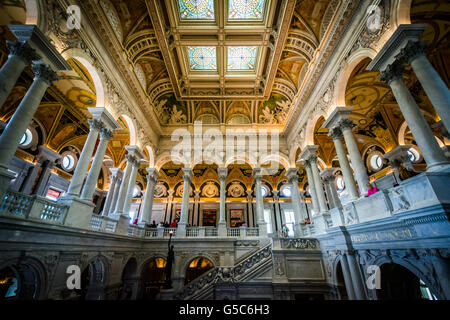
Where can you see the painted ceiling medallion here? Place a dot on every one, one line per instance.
(202, 58)
(245, 9)
(196, 9)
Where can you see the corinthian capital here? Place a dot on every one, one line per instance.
(346, 124)
(335, 133)
(23, 50)
(44, 72)
(411, 51)
(393, 72)
(95, 124)
(106, 134)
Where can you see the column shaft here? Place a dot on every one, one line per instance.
(356, 277)
(13, 133)
(110, 195)
(355, 157)
(185, 199)
(312, 190)
(130, 189)
(21, 55)
(124, 188)
(83, 162)
(146, 216)
(113, 206)
(319, 187)
(349, 180)
(92, 178)
(425, 139)
(347, 278)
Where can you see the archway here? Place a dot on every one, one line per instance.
(20, 282)
(196, 268)
(129, 280)
(92, 281)
(397, 282)
(153, 277)
(340, 283)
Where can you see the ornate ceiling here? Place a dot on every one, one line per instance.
(223, 62)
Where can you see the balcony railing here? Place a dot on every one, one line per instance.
(412, 195)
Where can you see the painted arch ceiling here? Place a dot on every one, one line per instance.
(218, 61)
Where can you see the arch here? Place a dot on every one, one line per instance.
(310, 127)
(88, 63)
(293, 152)
(27, 267)
(236, 159)
(278, 158)
(402, 12)
(151, 156)
(341, 84)
(129, 283)
(421, 274)
(207, 159)
(165, 158)
(33, 13)
(339, 281)
(131, 128)
(193, 273)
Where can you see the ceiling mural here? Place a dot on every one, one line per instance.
(199, 59)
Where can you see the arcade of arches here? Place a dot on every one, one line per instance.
(167, 148)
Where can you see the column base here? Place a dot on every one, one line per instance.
(262, 228)
(181, 230)
(222, 229)
(320, 222)
(123, 224)
(79, 213)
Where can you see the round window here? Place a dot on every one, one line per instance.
(264, 191)
(414, 156)
(136, 191)
(376, 162)
(68, 162)
(286, 192)
(340, 183)
(27, 138)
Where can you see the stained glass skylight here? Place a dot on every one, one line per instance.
(196, 9)
(242, 58)
(202, 58)
(245, 9)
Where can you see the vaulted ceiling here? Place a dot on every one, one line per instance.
(222, 62)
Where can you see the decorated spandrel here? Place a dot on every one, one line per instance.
(242, 58)
(196, 9)
(245, 9)
(202, 58)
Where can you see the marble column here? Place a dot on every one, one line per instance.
(257, 174)
(312, 188)
(347, 278)
(152, 177)
(350, 184)
(85, 158)
(45, 162)
(358, 285)
(292, 176)
(250, 223)
(329, 179)
(94, 172)
(169, 206)
(124, 187)
(113, 190)
(185, 202)
(222, 231)
(21, 54)
(435, 88)
(425, 139)
(131, 184)
(309, 155)
(346, 125)
(276, 200)
(17, 125)
(195, 214)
